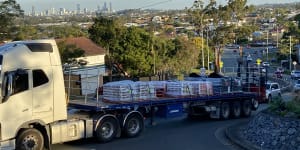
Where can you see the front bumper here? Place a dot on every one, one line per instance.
(7, 145)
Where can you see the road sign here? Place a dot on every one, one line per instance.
(258, 61)
(221, 64)
(197, 41)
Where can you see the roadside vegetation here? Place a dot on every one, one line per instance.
(286, 109)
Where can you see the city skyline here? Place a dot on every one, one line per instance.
(92, 5)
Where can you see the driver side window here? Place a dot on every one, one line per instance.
(20, 83)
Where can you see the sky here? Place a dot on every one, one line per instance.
(41, 5)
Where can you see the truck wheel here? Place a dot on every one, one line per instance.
(246, 108)
(30, 139)
(134, 125)
(225, 110)
(255, 104)
(107, 129)
(236, 109)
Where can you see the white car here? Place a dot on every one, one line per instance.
(272, 91)
(266, 64)
(297, 86)
(295, 74)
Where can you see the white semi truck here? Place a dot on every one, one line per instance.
(34, 112)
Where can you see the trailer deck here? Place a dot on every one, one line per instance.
(101, 105)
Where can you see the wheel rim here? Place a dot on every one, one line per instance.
(107, 130)
(237, 109)
(225, 111)
(255, 104)
(30, 142)
(133, 126)
(246, 108)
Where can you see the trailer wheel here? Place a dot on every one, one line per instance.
(134, 125)
(30, 139)
(236, 109)
(107, 129)
(225, 110)
(255, 104)
(246, 108)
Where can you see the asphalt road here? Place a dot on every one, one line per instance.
(169, 134)
(174, 134)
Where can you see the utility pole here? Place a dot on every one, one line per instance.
(267, 45)
(290, 53)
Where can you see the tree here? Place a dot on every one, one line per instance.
(9, 10)
(69, 52)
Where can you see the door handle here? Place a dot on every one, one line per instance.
(25, 110)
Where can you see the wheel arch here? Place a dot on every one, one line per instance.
(101, 117)
(40, 126)
(130, 113)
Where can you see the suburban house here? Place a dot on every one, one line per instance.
(88, 72)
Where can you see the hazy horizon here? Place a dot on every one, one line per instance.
(42, 5)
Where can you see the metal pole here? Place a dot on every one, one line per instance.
(290, 52)
(208, 67)
(268, 46)
(202, 48)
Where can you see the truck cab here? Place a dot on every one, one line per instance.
(31, 87)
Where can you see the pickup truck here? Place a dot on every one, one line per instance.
(272, 91)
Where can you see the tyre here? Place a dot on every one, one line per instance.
(255, 104)
(279, 95)
(107, 129)
(30, 139)
(134, 125)
(235, 109)
(246, 108)
(269, 98)
(225, 110)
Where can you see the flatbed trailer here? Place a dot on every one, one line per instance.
(221, 106)
(100, 105)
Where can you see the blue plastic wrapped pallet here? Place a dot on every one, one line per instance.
(170, 111)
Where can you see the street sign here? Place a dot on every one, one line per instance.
(258, 61)
(197, 41)
(221, 64)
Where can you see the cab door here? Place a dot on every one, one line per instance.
(16, 106)
(42, 94)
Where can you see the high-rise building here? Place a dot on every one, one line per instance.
(110, 8)
(78, 9)
(32, 11)
(104, 7)
(85, 11)
(62, 11)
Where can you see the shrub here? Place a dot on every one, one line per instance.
(279, 107)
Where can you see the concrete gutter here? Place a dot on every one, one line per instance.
(234, 134)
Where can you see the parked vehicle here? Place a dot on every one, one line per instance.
(297, 86)
(265, 64)
(295, 74)
(35, 111)
(278, 74)
(280, 69)
(272, 91)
